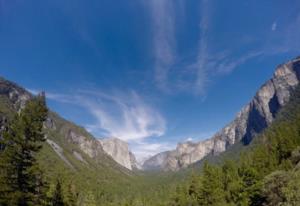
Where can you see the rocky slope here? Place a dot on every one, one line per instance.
(120, 152)
(13, 98)
(251, 120)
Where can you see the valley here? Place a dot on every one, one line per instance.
(107, 170)
(149, 103)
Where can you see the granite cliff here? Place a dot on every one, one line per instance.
(251, 120)
(120, 152)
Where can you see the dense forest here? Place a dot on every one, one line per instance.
(266, 172)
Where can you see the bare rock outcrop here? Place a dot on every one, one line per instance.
(120, 152)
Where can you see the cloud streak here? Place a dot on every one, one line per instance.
(203, 57)
(174, 76)
(163, 18)
(127, 117)
(122, 115)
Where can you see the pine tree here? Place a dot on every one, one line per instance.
(211, 190)
(233, 184)
(57, 198)
(180, 197)
(20, 176)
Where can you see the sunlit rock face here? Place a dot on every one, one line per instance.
(117, 149)
(251, 120)
(90, 146)
(134, 163)
(120, 152)
(16, 95)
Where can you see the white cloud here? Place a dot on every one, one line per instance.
(163, 19)
(130, 119)
(173, 75)
(189, 139)
(144, 150)
(122, 115)
(203, 52)
(274, 26)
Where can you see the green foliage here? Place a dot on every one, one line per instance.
(273, 186)
(291, 190)
(211, 191)
(21, 180)
(72, 195)
(89, 199)
(57, 198)
(233, 184)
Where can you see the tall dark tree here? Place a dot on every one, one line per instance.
(57, 198)
(20, 176)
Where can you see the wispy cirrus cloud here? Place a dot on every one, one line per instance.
(195, 76)
(122, 115)
(164, 43)
(203, 58)
(210, 60)
(127, 117)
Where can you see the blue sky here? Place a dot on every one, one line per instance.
(151, 72)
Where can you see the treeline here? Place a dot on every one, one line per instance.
(22, 182)
(266, 174)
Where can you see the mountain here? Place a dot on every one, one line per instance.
(97, 169)
(119, 151)
(14, 98)
(70, 152)
(250, 121)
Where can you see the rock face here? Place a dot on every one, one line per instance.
(89, 146)
(14, 98)
(119, 151)
(16, 95)
(251, 120)
(162, 161)
(134, 163)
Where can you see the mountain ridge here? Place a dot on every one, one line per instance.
(253, 118)
(15, 98)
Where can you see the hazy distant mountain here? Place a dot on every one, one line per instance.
(251, 120)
